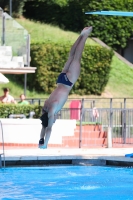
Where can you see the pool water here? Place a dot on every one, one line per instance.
(66, 182)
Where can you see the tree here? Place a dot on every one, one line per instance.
(113, 30)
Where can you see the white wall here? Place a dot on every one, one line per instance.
(27, 131)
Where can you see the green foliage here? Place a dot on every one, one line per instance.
(58, 2)
(50, 59)
(113, 30)
(7, 109)
(87, 123)
(67, 14)
(70, 15)
(120, 81)
(95, 69)
(43, 10)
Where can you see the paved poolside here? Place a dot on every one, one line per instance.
(91, 156)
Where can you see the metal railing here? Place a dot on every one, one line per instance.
(92, 130)
(92, 102)
(116, 113)
(120, 121)
(3, 150)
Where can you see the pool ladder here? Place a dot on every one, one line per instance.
(3, 151)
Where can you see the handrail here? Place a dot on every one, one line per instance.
(3, 142)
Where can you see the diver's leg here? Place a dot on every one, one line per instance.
(42, 135)
(74, 68)
(71, 55)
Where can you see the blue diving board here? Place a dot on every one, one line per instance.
(114, 13)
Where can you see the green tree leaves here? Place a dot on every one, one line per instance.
(70, 15)
(113, 30)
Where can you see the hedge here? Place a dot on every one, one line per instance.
(8, 109)
(87, 123)
(50, 58)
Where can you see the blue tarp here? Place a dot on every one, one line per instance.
(115, 13)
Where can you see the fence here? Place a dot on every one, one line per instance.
(92, 102)
(87, 127)
(116, 113)
(93, 129)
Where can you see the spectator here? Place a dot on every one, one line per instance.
(22, 100)
(6, 98)
(95, 117)
(95, 113)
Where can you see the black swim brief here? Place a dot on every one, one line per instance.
(44, 119)
(62, 78)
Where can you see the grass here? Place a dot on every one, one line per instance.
(16, 90)
(121, 79)
(44, 32)
(120, 83)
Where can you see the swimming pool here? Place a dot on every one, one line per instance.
(66, 182)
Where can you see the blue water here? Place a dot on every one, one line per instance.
(66, 182)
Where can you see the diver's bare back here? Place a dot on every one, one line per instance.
(57, 98)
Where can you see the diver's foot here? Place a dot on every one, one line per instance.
(42, 146)
(86, 31)
(41, 143)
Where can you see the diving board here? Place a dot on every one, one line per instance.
(114, 13)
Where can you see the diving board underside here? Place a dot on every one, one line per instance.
(22, 70)
(114, 13)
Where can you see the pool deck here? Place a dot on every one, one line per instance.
(90, 156)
